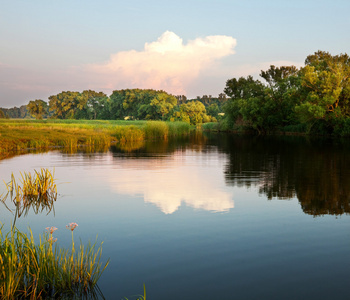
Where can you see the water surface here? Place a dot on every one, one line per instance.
(207, 217)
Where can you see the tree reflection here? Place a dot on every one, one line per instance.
(317, 172)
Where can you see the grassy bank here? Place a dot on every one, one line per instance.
(19, 134)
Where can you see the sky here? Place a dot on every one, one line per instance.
(185, 47)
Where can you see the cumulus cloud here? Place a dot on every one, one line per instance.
(167, 63)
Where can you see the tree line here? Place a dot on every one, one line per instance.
(137, 104)
(312, 99)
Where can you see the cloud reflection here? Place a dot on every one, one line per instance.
(167, 183)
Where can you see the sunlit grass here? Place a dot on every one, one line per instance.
(37, 191)
(20, 134)
(39, 271)
(156, 130)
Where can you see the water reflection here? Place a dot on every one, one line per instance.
(167, 183)
(317, 172)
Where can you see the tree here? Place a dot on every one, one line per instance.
(192, 112)
(16, 112)
(282, 93)
(146, 104)
(325, 80)
(247, 96)
(213, 110)
(2, 114)
(38, 108)
(64, 105)
(90, 103)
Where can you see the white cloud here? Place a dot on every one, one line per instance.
(166, 64)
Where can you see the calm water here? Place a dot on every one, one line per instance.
(207, 217)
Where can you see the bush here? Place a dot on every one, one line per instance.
(342, 127)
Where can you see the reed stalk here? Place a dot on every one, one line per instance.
(37, 191)
(38, 271)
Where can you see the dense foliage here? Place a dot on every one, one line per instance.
(314, 98)
(141, 104)
(38, 109)
(15, 112)
(128, 104)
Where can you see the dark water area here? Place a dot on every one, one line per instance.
(211, 216)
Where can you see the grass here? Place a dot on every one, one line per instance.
(37, 191)
(178, 128)
(210, 126)
(95, 135)
(39, 271)
(139, 297)
(156, 130)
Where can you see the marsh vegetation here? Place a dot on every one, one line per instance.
(18, 135)
(40, 270)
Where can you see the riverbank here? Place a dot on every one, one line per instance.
(317, 130)
(17, 135)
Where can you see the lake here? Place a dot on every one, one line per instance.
(210, 216)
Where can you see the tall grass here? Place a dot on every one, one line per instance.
(71, 135)
(211, 126)
(178, 128)
(43, 270)
(38, 271)
(161, 129)
(37, 191)
(156, 130)
(128, 133)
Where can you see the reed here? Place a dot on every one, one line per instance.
(211, 126)
(43, 270)
(156, 130)
(37, 191)
(178, 128)
(40, 271)
(128, 133)
(71, 135)
(17, 135)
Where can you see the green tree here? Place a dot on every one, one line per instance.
(263, 107)
(281, 94)
(64, 105)
(213, 110)
(245, 103)
(325, 80)
(90, 103)
(38, 108)
(141, 104)
(192, 112)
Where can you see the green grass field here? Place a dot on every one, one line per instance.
(21, 134)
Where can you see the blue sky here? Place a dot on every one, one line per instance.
(55, 45)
